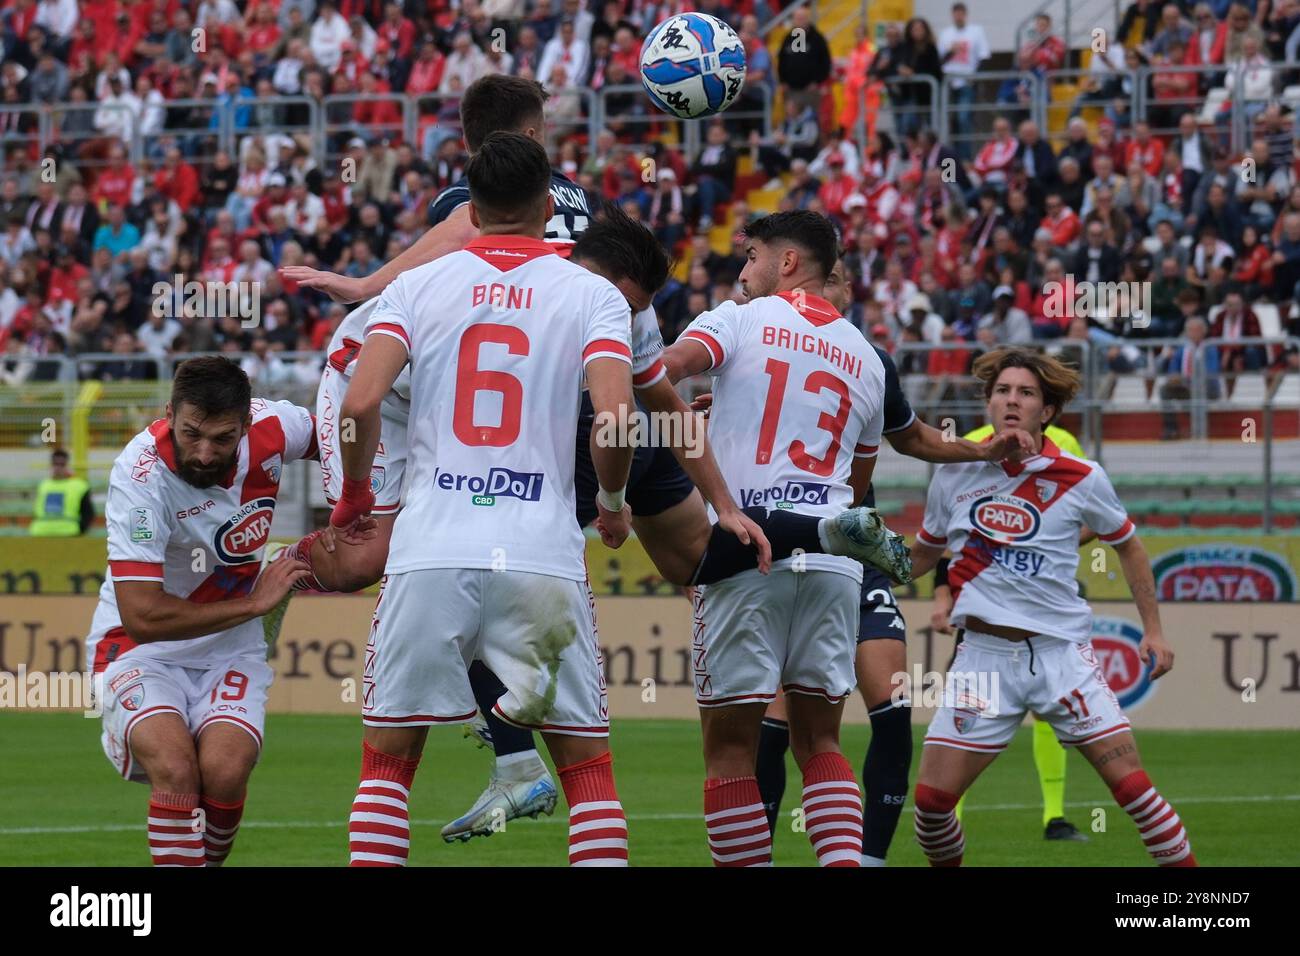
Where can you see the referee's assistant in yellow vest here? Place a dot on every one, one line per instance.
(63, 506)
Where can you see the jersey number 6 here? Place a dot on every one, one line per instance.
(816, 382)
(470, 380)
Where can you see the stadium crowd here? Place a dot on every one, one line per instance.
(950, 234)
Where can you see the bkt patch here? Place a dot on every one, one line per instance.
(141, 524)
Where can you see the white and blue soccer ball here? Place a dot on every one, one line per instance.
(693, 65)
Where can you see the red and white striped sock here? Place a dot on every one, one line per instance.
(736, 822)
(379, 829)
(832, 809)
(221, 824)
(174, 837)
(1157, 823)
(937, 828)
(597, 826)
(301, 551)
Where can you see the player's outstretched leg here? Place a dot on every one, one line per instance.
(379, 828)
(1049, 761)
(520, 785)
(1117, 762)
(788, 533)
(773, 742)
(597, 825)
(832, 802)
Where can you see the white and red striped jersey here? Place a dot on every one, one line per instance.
(499, 336)
(1013, 530)
(201, 544)
(798, 393)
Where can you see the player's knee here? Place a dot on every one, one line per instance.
(173, 773)
(225, 777)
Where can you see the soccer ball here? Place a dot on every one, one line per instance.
(693, 65)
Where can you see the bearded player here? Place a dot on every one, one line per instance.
(176, 637)
(1014, 528)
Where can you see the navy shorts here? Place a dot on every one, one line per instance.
(881, 617)
(655, 484)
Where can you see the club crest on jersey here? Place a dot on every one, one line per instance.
(1114, 651)
(1005, 518)
(272, 468)
(240, 539)
(1046, 490)
(133, 697)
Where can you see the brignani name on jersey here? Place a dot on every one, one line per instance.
(813, 345)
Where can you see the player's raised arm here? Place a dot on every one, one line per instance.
(919, 440)
(382, 358)
(447, 236)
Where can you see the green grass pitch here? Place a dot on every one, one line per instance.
(61, 803)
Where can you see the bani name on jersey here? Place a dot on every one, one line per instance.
(820, 387)
(491, 390)
(1013, 529)
(202, 544)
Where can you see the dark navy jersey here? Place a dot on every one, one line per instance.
(898, 412)
(574, 207)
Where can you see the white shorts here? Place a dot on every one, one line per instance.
(232, 692)
(796, 630)
(536, 632)
(390, 458)
(990, 689)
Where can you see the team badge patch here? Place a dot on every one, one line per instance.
(133, 697)
(272, 468)
(1046, 490)
(141, 524)
(376, 479)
